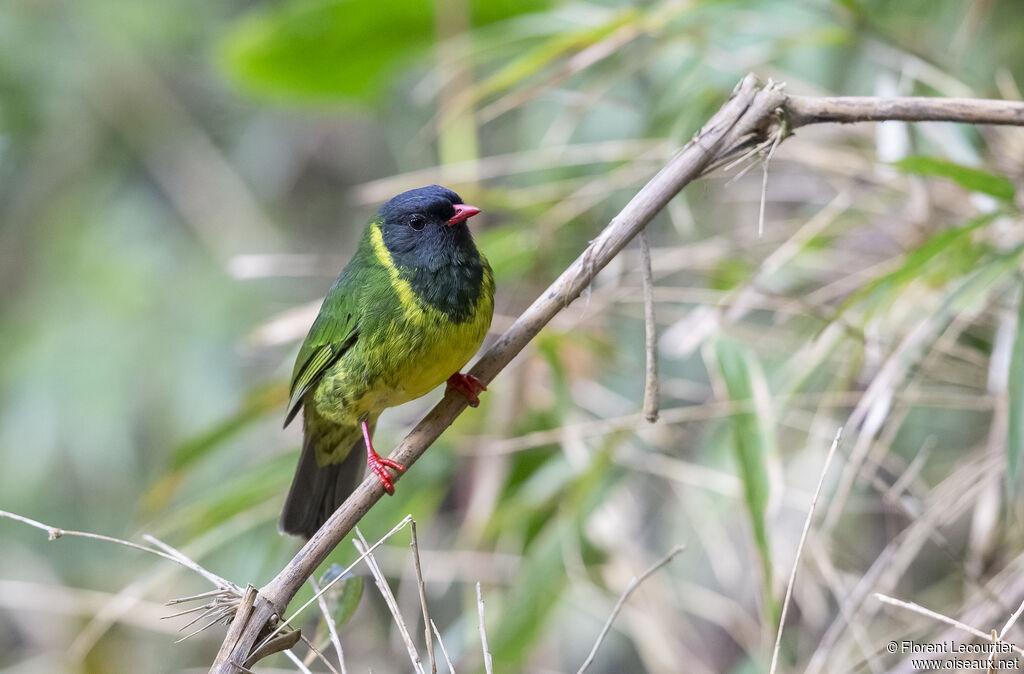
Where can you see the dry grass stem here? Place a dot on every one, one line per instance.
(444, 651)
(651, 387)
(389, 598)
(316, 653)
(1002, 633)
(633, 585)
(779, 134)
(225, 597)
(488, 664)
(298, 662)
(427, 636)
(800, 549)
(331, 627)
(190, 563)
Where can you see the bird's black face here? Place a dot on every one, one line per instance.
(426, 228)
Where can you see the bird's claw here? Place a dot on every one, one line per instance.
(468, 385)
(378, 464)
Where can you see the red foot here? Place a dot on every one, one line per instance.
(467, 385)
(377, 463)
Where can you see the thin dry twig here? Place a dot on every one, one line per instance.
(331, 627)
(800, 549)
(1002, 633)
(415, 545)
(389, 598)
(444, 651)
(917, 608)
(779, 133)
(226, 594)
(488, 664)
(297, 661)
(651, 387)
(56, 532)
(633, 585)
(190, 563)
(316, 652)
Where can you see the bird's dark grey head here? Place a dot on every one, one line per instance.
(426, 228)
(426, 235)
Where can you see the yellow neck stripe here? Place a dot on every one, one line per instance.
(410, 303)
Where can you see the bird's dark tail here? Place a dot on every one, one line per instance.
(316, 490)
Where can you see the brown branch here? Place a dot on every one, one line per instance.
(749, 118)
(804, 110)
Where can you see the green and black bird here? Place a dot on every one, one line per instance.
(410, 309)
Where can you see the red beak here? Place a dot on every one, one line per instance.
(463, 212)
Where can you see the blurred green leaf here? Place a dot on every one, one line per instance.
(729, 273)
(324, 50)
(854, 6)
(342, 598)
(257, 485)
(753, 441)
(523, 614)
(257, 403)
(955, 241)
(1015, 391)
(549, 51)
(542, 579)
(350, 591)
(971, 179)
(509, 248)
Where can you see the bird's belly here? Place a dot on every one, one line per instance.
(401, 363)
(434, 357)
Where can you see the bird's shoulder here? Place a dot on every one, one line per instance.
(343, 314)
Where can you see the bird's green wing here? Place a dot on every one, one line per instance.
(332, 334)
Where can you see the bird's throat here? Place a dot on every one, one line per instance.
(448, 277)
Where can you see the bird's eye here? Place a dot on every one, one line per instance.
(417, 221)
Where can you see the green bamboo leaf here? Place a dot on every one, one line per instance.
(345, 594)
(969, 178)
(329, 50)
(753, 441)
(1015, 391)
(348, 599)
(549, 51)
(522, 616)
(955, 247)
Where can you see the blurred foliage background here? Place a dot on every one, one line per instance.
(181, 181)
